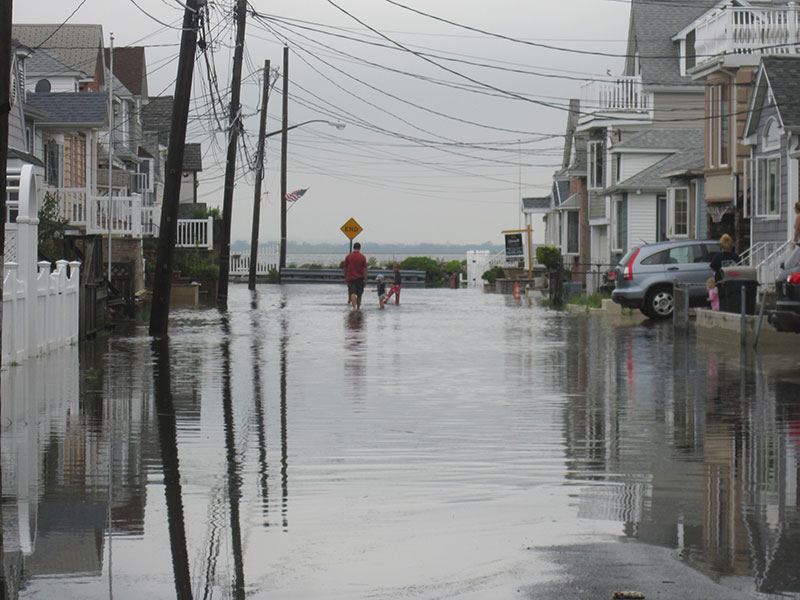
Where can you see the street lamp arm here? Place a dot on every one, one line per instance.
(331, 123)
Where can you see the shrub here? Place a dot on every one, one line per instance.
(493, 274)
(434, 275)
(549, 257)
(196, 265)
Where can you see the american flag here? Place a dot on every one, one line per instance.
(296, 195)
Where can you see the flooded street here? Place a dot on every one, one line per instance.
(456, 446)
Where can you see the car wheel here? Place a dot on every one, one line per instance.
(659, 302)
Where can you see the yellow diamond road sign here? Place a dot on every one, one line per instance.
(351, 229)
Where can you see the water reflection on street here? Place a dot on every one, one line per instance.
(292, 449)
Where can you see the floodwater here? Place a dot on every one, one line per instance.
(437, 449)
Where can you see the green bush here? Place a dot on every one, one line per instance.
(549, 257)
(454, 266)
(434, 274)
(493, 274)
(196, 265)
(274, 276)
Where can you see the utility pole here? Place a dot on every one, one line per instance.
(230, 166)
(162, 286)
(284, 142)
(262, 132)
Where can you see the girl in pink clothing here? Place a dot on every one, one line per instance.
(713, 293)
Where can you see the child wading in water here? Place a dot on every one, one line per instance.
(381, 290)
(713, 293)
(396, 285)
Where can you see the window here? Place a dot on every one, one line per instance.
(724, 124)
(620, 224)
(52, 163)
(691, 56)
(768, 185)
(573, 234)
(661, 218)
(719, 125)
(596, 165)
(713, 124)
(678, 209)
(12, 206)
(772, 136)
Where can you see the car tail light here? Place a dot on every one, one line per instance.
(627, 273)
(794, 278)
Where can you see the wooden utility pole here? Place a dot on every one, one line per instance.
(162, 284)
(284, 142)
(230, 166)
(262, 132)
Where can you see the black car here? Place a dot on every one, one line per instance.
(786, 316)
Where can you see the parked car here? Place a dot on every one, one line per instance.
(786, 316)
(644, 276)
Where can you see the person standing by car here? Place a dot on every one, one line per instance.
(355, 275)
(726, 258)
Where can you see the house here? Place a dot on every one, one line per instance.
(156, 123)
(654, 92)
(770, 175)
(645, 206)
(567, 217)
(74, 53)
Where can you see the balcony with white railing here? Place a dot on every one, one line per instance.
(748, 31)
(615, 98)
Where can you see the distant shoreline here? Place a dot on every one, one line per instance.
(375, 248)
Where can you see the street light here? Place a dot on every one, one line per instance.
(285, 130)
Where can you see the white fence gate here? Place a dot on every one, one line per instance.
(267, 259)
(40, 307)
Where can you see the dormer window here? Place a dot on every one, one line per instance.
(772, 136)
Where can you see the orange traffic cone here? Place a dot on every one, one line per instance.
(516, 290)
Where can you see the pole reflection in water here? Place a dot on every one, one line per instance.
(258, 400)
(234, 470)
(284, 350)
(168, 441)
(355, 367)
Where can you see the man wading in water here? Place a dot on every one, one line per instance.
(355, 275)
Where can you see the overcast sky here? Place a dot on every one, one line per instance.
(436, 148)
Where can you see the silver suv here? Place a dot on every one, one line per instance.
(644, 276)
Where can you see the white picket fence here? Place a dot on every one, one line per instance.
(267, 259)
(40, 307)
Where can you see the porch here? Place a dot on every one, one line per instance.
(744, 31)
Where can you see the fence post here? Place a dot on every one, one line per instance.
(210, 236)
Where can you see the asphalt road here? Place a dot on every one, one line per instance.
(596, 571)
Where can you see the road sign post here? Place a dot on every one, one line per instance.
(351, 229)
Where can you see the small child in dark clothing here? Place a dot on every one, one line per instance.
(381, 290)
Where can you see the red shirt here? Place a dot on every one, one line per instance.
(355, 266)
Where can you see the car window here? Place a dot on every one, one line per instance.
(687, 254)
(659, 258)
(710, 250)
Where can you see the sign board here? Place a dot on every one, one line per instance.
(514, 244)
(351, 229)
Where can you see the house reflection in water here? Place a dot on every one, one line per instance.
(693, 449)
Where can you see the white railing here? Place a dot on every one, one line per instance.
(40, 308)
(480, 261)
(121, 216)
(766, 257)
(193, 233)
(267, 259)
(769, 30)
(151, 220)
(616, 95)
(72, 204)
